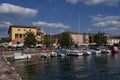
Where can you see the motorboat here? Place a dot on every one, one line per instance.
(105, 51)
(75, 53)
(44, 54)
(19, 55)
(61, 53)
(87, 52)
(52, 54)
(95, 51)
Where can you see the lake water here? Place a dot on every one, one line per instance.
(105, 67)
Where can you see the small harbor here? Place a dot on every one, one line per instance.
(89, 67)
(59, 39)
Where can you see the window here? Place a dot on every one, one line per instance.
(16, 36)
(18, 29)
(20, 36)
(24, 30)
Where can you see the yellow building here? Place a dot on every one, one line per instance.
(17, 33)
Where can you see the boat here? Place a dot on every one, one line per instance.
(44, 54)
(95, 51)
(87, 52)
(105, 51)
(61, 53)
(19, 55)
(52, 54)
(75, 53)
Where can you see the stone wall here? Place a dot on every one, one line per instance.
(7, 72)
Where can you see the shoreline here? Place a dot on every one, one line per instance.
(7, 72)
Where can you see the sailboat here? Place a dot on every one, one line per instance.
(74, 52)
(52, 52)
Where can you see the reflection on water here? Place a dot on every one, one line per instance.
(105, 67)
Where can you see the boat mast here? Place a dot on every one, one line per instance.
(50, 38)
(70, 31)
(78, 27)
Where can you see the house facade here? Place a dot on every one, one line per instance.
(113, 40)
(77, 38)
(17, 33)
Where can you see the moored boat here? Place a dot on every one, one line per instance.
(75, 53)
(21, 56)
(87, 52)
(95, 51)
(62, 53)
(105, 51)
(52, 54)
(44, 54)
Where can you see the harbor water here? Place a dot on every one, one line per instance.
(103, 67)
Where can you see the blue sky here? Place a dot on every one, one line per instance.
(55, 16)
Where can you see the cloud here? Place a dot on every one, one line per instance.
(54, 25)
(72, 1)
(106, 21)
(89, 29)
(5, 24)
(96, 2)
(93, 2)
(111, 29)
(16, 12)
(108, 24)
(61, 31)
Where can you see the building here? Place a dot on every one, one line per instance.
(85, 38)
(113, 40)
(91, 38)
(17, 33)
(77, 38)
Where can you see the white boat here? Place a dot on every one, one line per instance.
(44, 54)
(21, 56)
(27, 55)
(95, 51)
(75, 53)
(52, 54)
(87, 52)
(105, 51)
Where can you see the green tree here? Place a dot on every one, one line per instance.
(100, 38)
(48, 40)
(4, 39)
(119, 44)
(65, 39)
(30, 39)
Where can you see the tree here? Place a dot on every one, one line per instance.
(100, 38)
(6, 39)
(30, 39)
(48, 40)
(119, 44)
(65, 39)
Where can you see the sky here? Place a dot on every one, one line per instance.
(55, 16)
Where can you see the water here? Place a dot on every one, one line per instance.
(105, 67)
